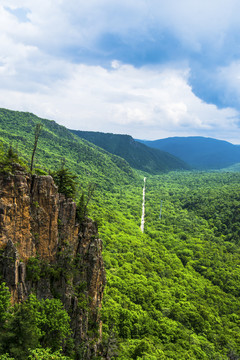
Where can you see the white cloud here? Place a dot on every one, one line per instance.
(126, 100)
(56, 24)
(228, 78)
(36, 74)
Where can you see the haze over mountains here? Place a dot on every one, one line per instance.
(199, 152)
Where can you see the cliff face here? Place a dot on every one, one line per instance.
(44, 249)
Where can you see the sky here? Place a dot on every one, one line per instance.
(148, 68)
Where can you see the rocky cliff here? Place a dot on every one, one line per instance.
(43, 248)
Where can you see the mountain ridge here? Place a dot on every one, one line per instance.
(200, 152)
(138, 155)
(57, 143)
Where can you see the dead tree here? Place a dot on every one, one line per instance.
(38, 129)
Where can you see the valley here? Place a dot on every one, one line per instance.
(172, 291)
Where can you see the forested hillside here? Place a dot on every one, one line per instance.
(138, 155)
(57, 143)
(199, 152)
(174, 291)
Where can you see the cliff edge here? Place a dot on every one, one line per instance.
(44, 249)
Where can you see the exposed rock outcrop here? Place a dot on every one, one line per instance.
(38, 227)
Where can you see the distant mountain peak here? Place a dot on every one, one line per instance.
(200, 152)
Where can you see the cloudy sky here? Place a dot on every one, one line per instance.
(148, 68)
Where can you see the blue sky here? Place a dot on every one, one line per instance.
(148, 68)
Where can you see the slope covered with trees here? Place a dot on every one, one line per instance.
(57, 143)
(174, 291)
(138, 155)
(199, 152)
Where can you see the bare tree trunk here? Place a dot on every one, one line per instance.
(38, 129)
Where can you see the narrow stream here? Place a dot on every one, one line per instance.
(143, 207)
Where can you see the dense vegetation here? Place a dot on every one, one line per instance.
(34, 324)
(172, 292)
(199, 152)
(57, 143)
(138, 155)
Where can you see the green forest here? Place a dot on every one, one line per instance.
(173, 292)
(138, 155)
